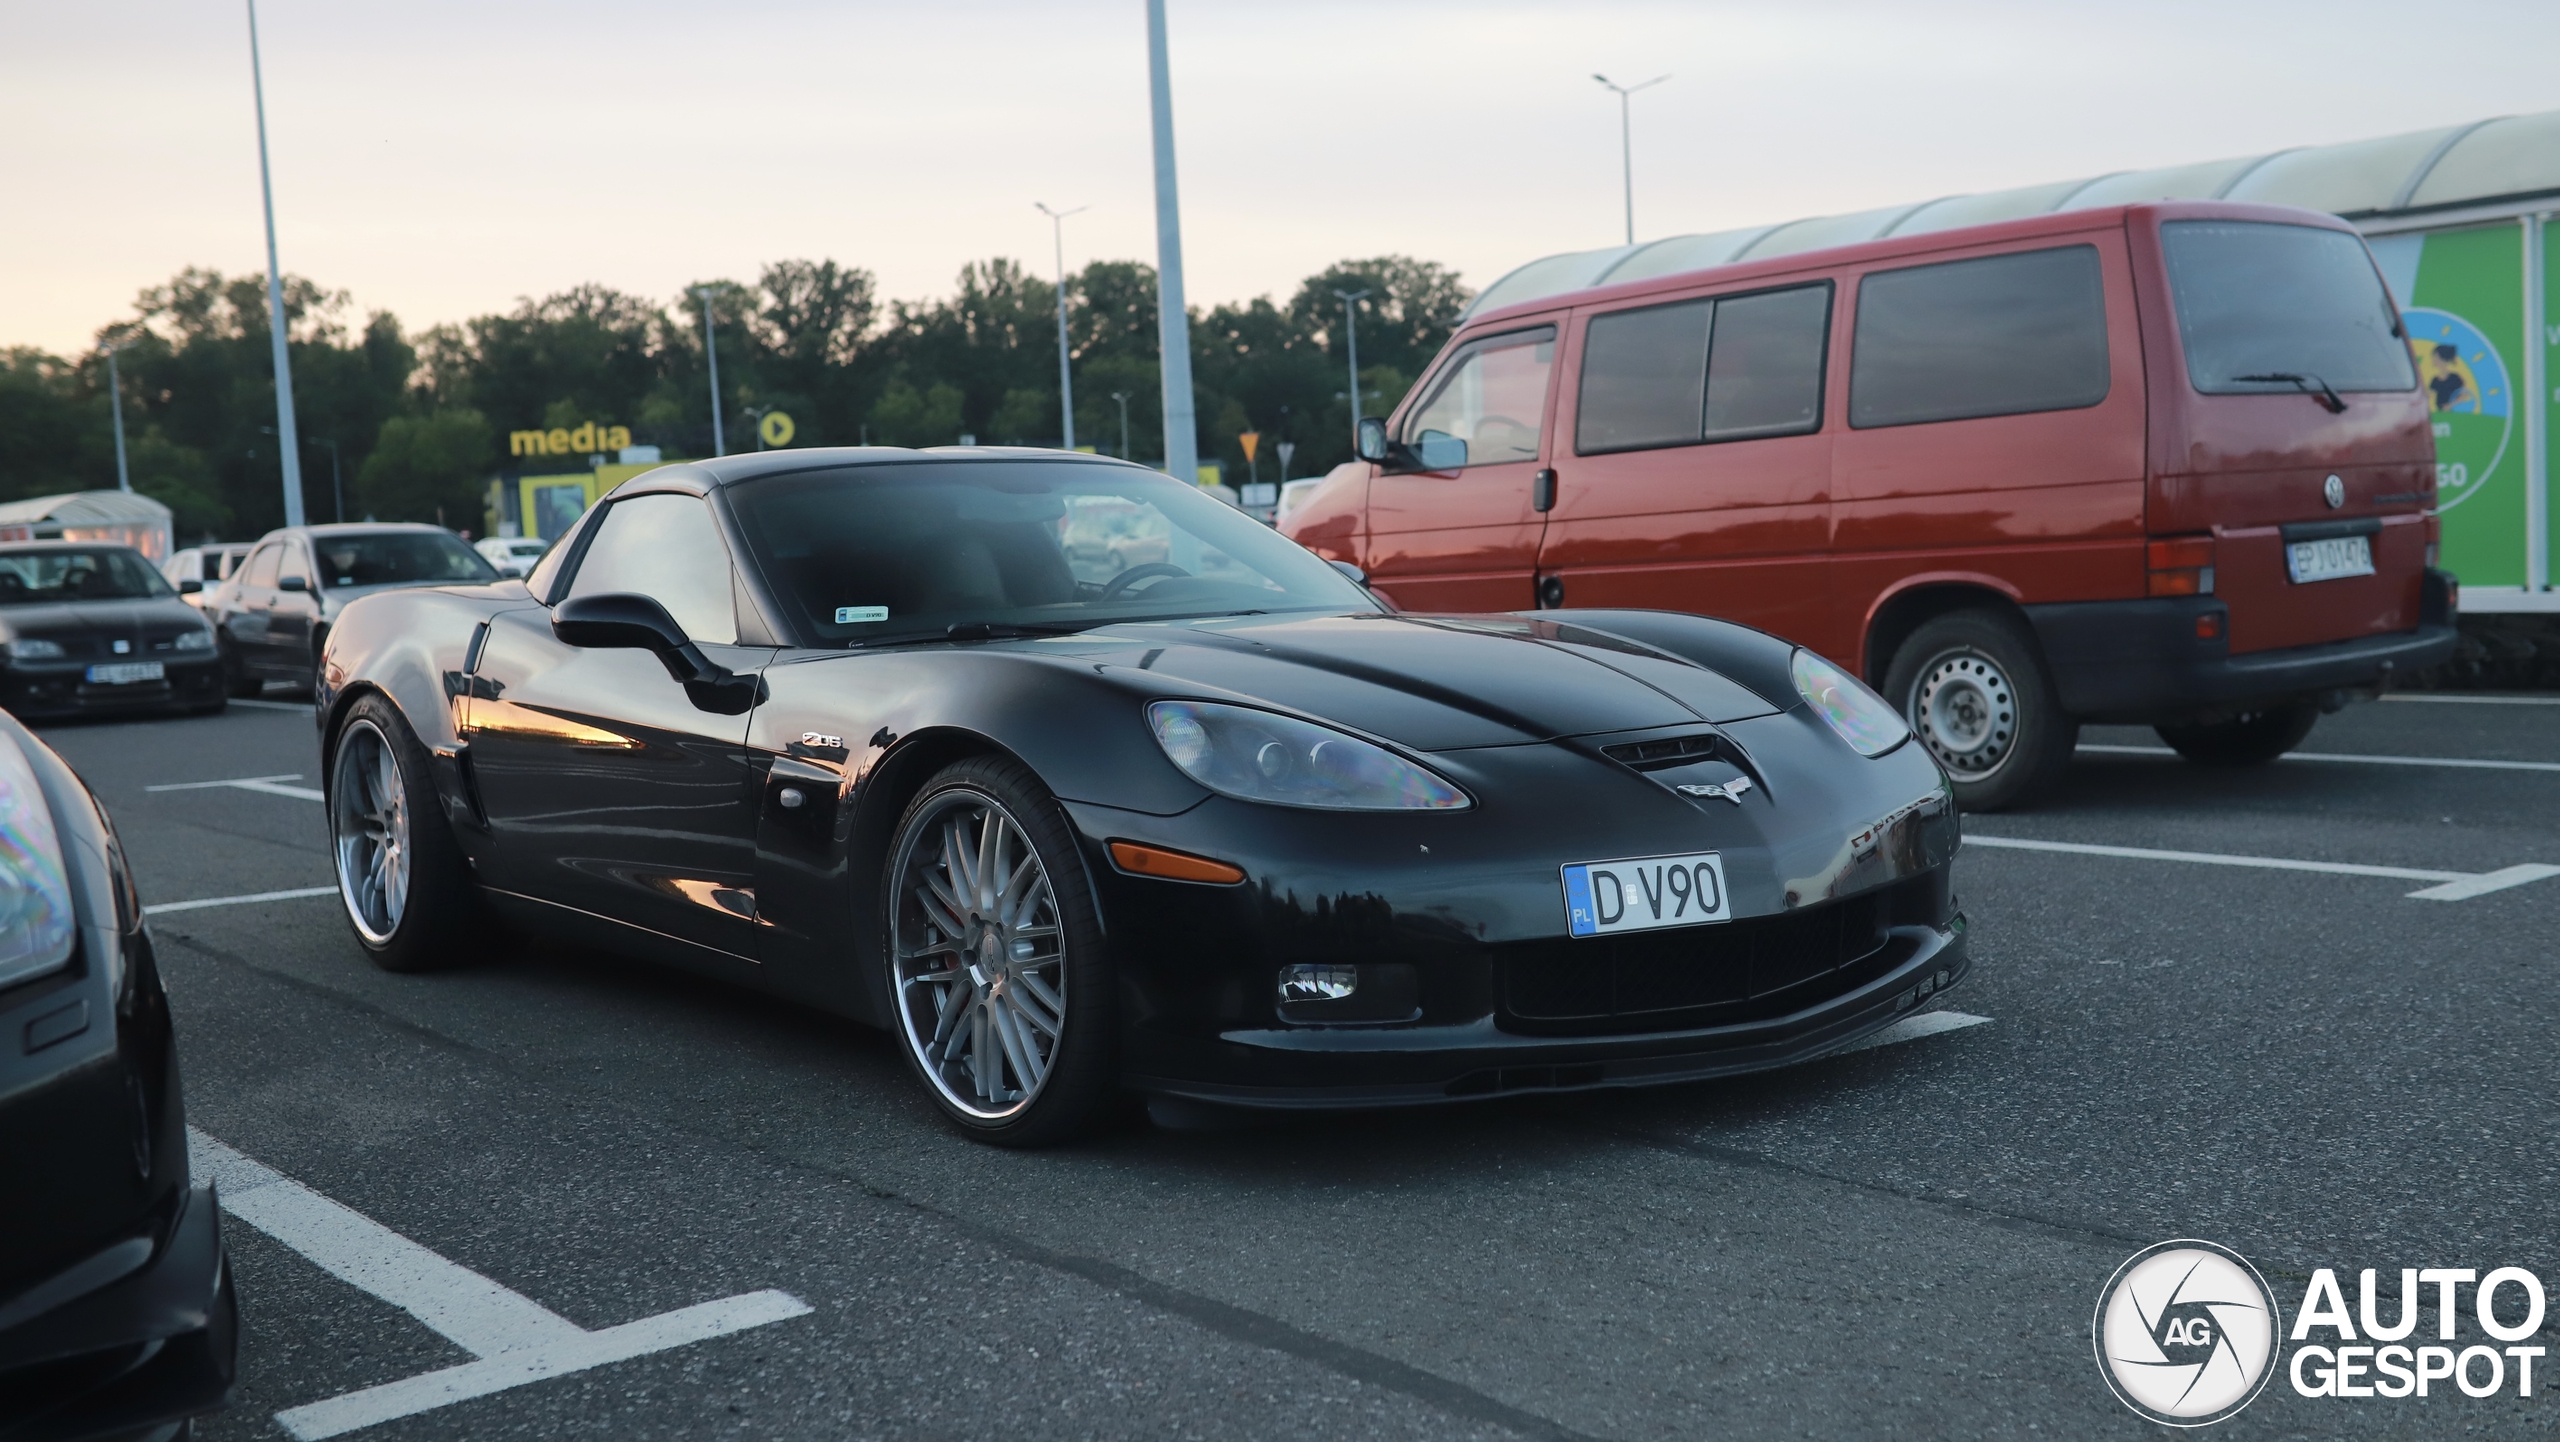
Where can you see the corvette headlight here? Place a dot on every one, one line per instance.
(193, 641)
(1261, 756)
(30, 649)
(36, 922)
(1862, 717)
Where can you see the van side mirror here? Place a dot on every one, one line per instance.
(628, 621)
(1373, 440)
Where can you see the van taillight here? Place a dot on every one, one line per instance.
(2181, 566)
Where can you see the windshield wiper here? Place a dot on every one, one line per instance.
(2309, 385)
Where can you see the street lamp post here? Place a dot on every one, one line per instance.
(288, 450)
(1123, 398)
(1351, 334)
(711, 352)
(1626, 140)
(1066, 383)
(1173, 323)
(115, 402)
(337, 485)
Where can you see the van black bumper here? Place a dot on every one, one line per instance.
(2141, 661)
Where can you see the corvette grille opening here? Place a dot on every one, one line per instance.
(1669, 751)
(1696, 976)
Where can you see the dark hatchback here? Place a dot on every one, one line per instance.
(117, 1316)
(87, 628)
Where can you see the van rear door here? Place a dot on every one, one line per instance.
(2290, 366)
(1452, 526)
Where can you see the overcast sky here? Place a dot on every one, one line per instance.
(442, 160)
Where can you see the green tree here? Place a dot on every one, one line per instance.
(429, 467)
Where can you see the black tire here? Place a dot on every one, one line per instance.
(1974, 688)
(236, 680)
(2251, 738)
(950, 1016)
(438, 917)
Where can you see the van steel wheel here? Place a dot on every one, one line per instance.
(1973, 687)
(993, 962)
(369, 831)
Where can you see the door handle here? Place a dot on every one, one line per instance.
(1542, 491)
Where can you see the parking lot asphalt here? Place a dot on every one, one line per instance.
(2311, 1067)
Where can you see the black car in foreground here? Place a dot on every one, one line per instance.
(87, 628)
(117, 1317)
(1079, 780)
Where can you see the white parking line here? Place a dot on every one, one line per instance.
(2453, 885)
(1912, 1028)
(2442, 699)
(270, 785)
(2458, 761)
(517, 1339)
(296, 894)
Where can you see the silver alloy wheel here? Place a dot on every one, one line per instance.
(1966, 713)
(369, 831)
(980, 958)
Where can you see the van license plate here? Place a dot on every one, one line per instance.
(125, 673)
(2328, 560)
(1639, 894)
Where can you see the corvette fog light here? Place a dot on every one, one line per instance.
(1318, 983)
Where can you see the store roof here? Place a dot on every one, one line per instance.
(2484, 162)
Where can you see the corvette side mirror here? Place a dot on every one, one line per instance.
(624, 620)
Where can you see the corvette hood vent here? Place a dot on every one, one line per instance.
(1666, 751)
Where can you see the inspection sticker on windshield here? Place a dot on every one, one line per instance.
(848, 615)
(1641, 893)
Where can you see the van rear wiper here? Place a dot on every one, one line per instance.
(2309, 385)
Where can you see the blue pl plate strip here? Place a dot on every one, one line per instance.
(1579, 916)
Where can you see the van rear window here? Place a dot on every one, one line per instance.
(2000, 336)
(2264, 299)
(1727, 369)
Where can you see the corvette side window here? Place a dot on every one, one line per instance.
(667, 548)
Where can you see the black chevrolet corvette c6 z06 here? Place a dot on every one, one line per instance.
(1078, 780)
(116, 1312)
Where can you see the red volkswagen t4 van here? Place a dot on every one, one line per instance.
(2161, 464)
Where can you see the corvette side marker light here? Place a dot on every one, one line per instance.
(1139, 860)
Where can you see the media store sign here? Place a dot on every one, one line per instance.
(2188, 1333)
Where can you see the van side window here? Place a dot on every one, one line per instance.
(1726, 369)
(1488, 404)
(2000, 336)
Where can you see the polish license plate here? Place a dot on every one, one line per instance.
(1641, 893)
(2328, 560)
(125, 673)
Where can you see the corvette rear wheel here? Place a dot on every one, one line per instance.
(402, 878)
(1973, 687)
(1002, 993)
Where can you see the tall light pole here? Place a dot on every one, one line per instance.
(1123, 398)
(1351, 332)
(1627, 140)
(1066, 383)
(1173, 323)
(289, 449)
(115, 401)
(337, 480)
(711, 352)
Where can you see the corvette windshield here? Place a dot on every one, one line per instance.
(902, 551)
(109, 573)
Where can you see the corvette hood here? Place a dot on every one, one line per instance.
(1436, 683)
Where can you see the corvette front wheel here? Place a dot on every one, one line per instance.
(1002, 992)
